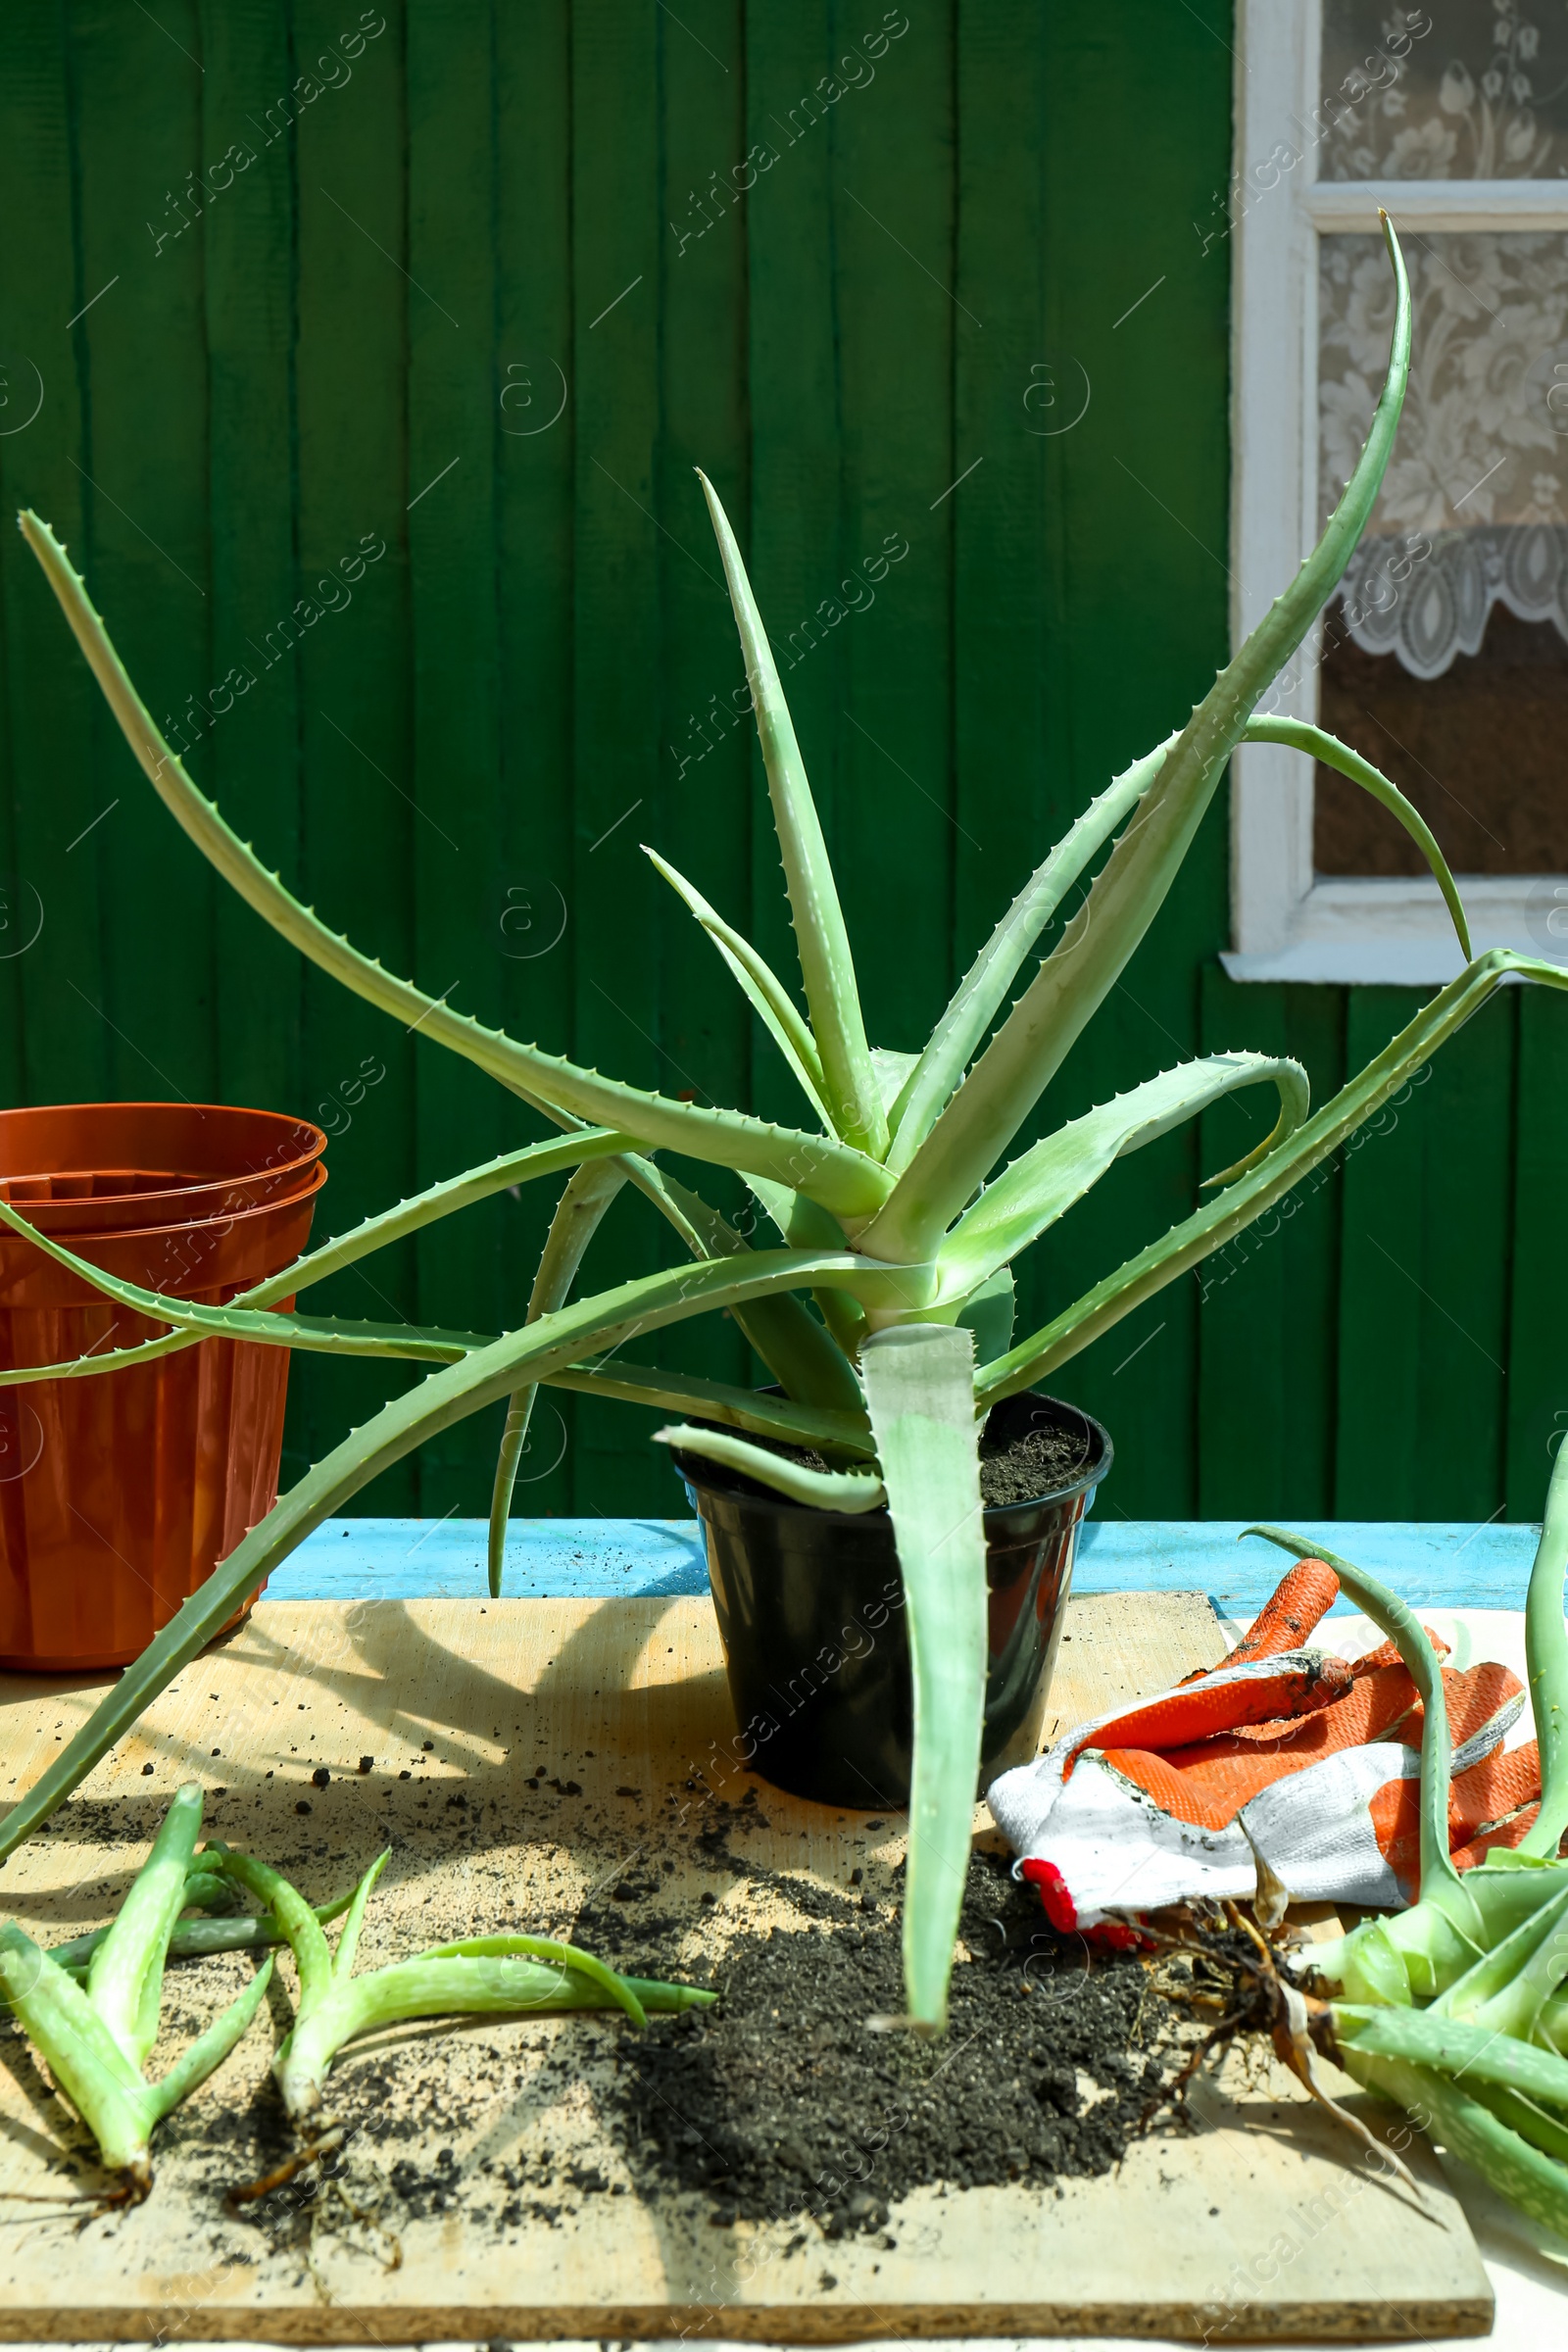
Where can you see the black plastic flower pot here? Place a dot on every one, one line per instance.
(810, 1609)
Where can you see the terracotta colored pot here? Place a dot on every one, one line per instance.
(120, 1493)
(98, 1167)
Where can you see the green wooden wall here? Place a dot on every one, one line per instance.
(268, 334)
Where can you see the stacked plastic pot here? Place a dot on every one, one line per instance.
(121, 1492)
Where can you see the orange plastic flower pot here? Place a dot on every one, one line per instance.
(101, 1167)
(121, 1492)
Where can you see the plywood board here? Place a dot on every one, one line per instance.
(520, 1757)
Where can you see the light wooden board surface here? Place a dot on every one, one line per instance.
(1262, 2222)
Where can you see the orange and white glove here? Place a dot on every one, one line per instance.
(1283, 1750)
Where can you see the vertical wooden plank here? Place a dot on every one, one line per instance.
(143, 353)
(1538, 1367)
(529, 919)
(1267, 1354)
(700, 813)
(1139, 508)
(352, 663)
(893, 834)
(249, 230)
(795, 542)
(52, 1046)
(1423, 1302)
(616, 232)
(461, 1117)
(1005, 810)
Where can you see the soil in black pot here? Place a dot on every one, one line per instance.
(1017, 1469)
(783, 2101)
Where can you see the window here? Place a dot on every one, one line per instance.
(1445, 656)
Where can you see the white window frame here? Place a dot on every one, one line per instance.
(1288, 924)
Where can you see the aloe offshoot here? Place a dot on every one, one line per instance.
(1456, 2008)
(477, 1976)
(876, 1194)
(96, 2038)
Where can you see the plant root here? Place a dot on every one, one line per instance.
(250, 2192)
(135, 2188)
(1235, 1969)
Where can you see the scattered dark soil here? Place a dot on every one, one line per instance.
(785, 2099)
(782, 2101)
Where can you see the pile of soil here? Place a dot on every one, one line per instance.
(785, 2101)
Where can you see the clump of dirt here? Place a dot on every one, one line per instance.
(786, 2100)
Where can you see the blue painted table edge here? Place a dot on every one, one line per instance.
(1432, 1564)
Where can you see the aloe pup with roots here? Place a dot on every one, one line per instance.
(896, 1237)
(97, 2035)
(91, 2006)
(1458, 2008)
(480, 1975)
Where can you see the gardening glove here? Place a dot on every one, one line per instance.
(1283, 1751)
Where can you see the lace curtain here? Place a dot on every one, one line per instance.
(1459, 89)
(1474, 509)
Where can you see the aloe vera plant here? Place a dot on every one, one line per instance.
(1458, 2008)
(896, 1237)
(96, 2036)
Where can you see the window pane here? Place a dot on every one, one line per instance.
(1446, 652)
(1459, 89)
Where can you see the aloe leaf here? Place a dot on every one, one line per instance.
(1508, 1986)
(1518, 2172)
(804, 1359)
(978, 997)
(824, 1426)
(96, 2036)
(971, 1133)
(579, 1213)
(444, 1398)
(348, 1942)
(989, 1312)
(546, 1948)
(827, 968)
(301, 1929)
(843, 1176)
(1523, 2115)
(1298, 736)
(269, 1325)
(805, 1225)
(762, 986)
(85, 2059)
(779, 1329)
(1547, 1663)
(481, 1973)
(200, 1939)
(126, 1979)
(1406, 1632)
(823, 1489)
(436, 1987)
(1453, 2046)
(919, 1389)
(1044, 1184)
(1187, 1244)
(441, 1200)
(892, 1069)
(208, 2051)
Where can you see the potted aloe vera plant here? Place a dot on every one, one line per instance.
(896, 1231)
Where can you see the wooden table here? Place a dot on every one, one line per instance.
(1239, 2231)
